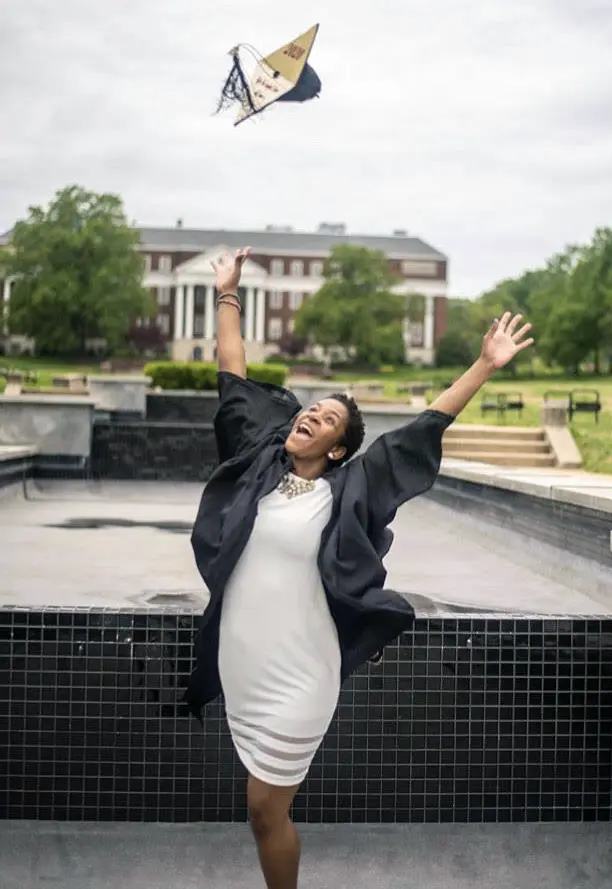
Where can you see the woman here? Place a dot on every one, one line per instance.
(289, 538)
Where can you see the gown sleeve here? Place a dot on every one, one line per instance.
(248, 412)
(402, 464)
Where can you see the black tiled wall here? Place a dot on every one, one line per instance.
(465, 720)
(153, 451)
(575, 529)
(174, 407)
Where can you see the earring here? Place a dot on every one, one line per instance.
(330, 456)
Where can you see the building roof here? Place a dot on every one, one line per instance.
(271, 241)
(400, 246)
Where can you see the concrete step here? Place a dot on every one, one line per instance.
(496, 458)
(511, 433)
(521, 446)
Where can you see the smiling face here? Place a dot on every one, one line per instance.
(317, 432)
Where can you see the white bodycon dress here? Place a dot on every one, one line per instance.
(279, 657)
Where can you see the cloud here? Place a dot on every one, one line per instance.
(482, 127)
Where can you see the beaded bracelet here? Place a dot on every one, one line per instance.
(229, 293)
(229, 299)
(229, 302)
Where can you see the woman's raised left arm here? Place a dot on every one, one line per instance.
(405, 462)
(501, 343)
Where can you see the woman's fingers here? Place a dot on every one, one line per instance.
(518, 336)
(514, 323)
(503, 321)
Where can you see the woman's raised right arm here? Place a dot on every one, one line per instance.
(231, 356)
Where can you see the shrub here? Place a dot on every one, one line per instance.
(453, 350)
(202, 376)
(169, 374)
(268, 373)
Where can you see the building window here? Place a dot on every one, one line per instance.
(295, 301)
(277, 267)
(163, 296)
(416, 333)
(418, 269)
(165, 264)
(147, 262)
(275, 329)
(316, 268)
(198, 325)
(276, 299)
(163, 322)
(291, 326)
(297, 268)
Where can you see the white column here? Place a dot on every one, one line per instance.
(179, 312)
(189, 312)
(428, 327)
(260, 315)
(249, 316)
(6, 296)
(209, 313)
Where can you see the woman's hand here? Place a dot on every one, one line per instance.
(228, 271)
(503, 341)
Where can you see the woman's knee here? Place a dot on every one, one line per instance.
(268, 806)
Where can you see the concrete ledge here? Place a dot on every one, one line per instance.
(568, 511)
(125, 393)
(563, 446)
(183, 393)
(16, 452)
(53, 424)
(580, 488)
(60, 399)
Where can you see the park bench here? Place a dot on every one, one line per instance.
(501, 402)
(585, 401)
(414, 388)
(71, 382)
(576, 401)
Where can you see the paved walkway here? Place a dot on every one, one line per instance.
(210, 856)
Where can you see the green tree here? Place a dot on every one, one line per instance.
(591, 291)
(77, 273)
(454, 350)
(550, 311)
(355, 309)
(573, 307)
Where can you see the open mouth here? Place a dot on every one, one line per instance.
(302, 430)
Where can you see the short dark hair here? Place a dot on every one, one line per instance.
(355, 428)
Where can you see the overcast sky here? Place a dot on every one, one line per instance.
(482, 126)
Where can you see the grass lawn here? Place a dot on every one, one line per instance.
(593, 439)
(46, 368)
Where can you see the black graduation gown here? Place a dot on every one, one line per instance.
(251, 426)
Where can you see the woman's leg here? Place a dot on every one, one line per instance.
(277, 840)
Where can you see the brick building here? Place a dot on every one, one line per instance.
(284, 269)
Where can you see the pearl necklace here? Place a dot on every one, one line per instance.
(292, 486)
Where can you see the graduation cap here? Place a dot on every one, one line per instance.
(283, 76)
